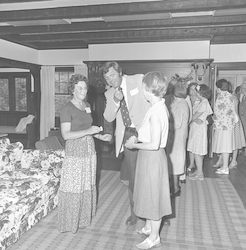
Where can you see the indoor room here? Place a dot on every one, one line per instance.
(73, 174)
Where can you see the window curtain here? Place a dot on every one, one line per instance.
(47, 110)
(81, 69)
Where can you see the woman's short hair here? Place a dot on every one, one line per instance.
(204, 91)
(108, 65)
(238, 90)
(191, 85)
(223, 85)
(156, 83)
(230, 88)
(170, 86)
(74, 79)
(180, 90)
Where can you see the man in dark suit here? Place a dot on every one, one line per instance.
(128, 89)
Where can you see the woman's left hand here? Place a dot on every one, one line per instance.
(129, 144)
(105, 137)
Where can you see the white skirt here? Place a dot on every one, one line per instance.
(223, 141)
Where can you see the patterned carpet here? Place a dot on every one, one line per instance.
(208, 215)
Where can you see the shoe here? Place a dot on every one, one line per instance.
(233, 165)
(176, 194)
(218, 164)
(131, 220)
(197, 177)
(149, 244)
(189, 169)
(183, 181)
(144, 231)
(222, 171)
(192, 173)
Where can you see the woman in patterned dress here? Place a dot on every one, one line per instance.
(151, 190)
(77, 194)
(198, 140)
(225, 119)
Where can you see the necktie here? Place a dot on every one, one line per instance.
(124, 112)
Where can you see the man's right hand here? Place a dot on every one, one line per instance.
(118, 95)
(94, 130)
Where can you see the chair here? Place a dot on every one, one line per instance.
(50, 142)
(57, 133)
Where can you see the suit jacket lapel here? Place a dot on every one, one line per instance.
(130, 86)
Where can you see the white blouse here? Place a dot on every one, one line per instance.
(144, 133)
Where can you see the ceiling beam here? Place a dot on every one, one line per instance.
(143, 24)
(231, 66)
(149, 39)
(18, 64)
(120, 9)
(240, 38)
(20, 1)
(93, 36)
(78, 44)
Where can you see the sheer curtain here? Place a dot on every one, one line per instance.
(47, 110)
(81, 69)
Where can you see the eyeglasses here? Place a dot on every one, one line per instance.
(80, 89)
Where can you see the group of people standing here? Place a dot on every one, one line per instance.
(155, 126)
(189, 108)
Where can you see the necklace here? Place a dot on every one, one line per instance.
(80, 105)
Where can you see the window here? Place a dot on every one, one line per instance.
(62, 75)
(20, 94)
(4, 94)
(14, 91)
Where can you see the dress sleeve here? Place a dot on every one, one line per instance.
(66, 115)
(205, 109)
(209, 110)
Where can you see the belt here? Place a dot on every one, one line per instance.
(130, 129)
